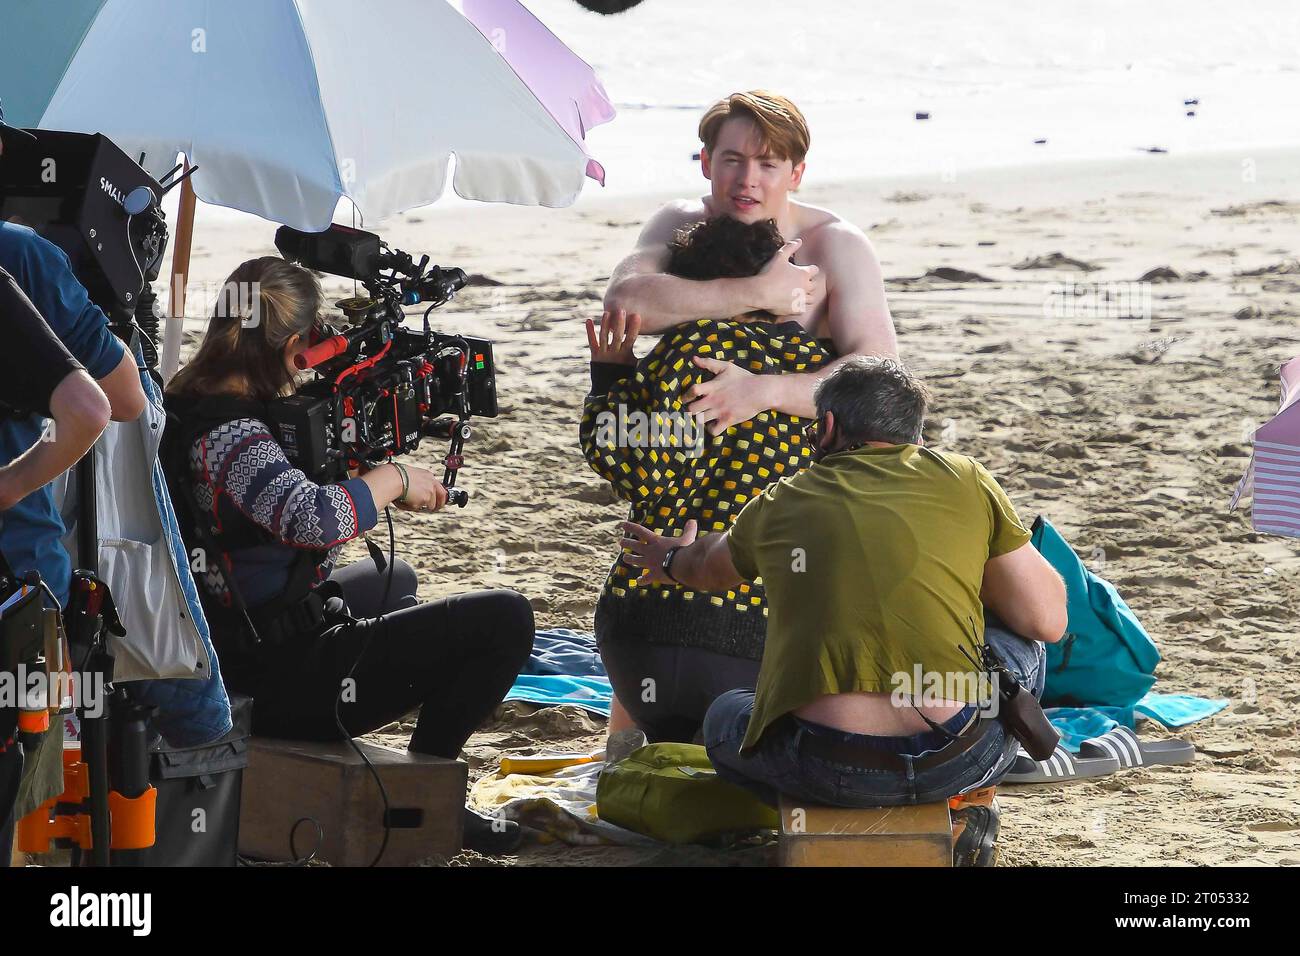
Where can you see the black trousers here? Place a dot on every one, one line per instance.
(667, 689)
(454, 659)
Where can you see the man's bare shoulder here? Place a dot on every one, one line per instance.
(838, 245)
(823, 228)
(670, 217)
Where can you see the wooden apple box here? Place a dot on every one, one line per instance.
(813, 835)
(288, 780)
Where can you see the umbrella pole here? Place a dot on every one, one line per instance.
(171, 356)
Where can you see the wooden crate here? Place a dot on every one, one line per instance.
(812, 835)
(287, 780)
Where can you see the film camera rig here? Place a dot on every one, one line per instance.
(379, 387)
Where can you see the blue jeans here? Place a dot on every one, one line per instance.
(778, 765)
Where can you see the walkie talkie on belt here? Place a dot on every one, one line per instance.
(1018, 709)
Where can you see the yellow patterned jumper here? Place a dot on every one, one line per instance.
(637, 434)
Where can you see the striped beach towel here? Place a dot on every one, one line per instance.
(1272, 478)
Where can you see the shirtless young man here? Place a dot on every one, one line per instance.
(753, 156)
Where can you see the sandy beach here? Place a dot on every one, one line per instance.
(1129, 434)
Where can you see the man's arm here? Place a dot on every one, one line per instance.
(1023, 589)
(857, 316)
(124, 391)
(859, 321)
(80, 324)
(80, 412)
(702, 563)
(39, 374)
(639, 283)
(707, 565)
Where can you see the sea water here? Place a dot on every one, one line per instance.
(1099, 79)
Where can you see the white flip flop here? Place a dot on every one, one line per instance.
(1130, 750)
(1059, 767)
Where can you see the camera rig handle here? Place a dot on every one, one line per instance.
(456, 432)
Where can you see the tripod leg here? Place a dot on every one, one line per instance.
(94, 750)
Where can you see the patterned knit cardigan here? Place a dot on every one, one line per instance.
(240, 466)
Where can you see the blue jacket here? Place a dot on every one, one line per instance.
(141, 553)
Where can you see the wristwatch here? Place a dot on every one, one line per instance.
(667, 566)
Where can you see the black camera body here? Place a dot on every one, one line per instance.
(379, 387)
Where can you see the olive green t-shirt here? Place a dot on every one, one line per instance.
(872, 560)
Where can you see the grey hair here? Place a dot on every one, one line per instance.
(873, 399)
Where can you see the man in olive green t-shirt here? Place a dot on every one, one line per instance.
(878, 562)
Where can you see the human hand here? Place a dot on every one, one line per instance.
(424, 492)
(732, 396)
(783, 287)
(618, 331)
(648, 549)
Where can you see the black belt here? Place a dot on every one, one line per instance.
(856, 754)
(302, 618)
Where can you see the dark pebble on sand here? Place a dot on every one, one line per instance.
(949, 274)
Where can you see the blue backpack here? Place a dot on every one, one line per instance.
(1106, 658)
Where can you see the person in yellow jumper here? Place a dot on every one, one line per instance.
(671, 650)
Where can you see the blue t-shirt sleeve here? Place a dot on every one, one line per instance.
(46, 275)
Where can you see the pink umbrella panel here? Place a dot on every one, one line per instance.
(562, 81)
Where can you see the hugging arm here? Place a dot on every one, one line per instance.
(626, 416)
(857, 315)
(640, 283)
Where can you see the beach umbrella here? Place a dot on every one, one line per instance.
(289, 106)
(566, 85)
(37, 40)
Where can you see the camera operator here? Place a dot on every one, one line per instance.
(279, 533)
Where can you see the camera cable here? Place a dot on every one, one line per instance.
(338, 700)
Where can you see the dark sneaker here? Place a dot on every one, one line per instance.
(490, 835)
(976, 844)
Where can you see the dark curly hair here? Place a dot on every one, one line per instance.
(724, 248)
